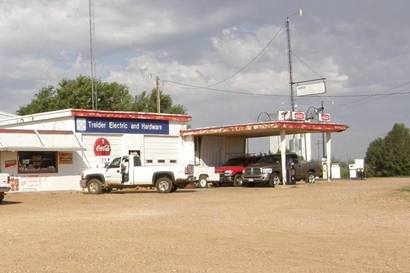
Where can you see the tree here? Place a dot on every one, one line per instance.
(148, 103)
(113, 96)
(390, 156)
(374, 158)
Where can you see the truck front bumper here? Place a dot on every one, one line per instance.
(263, 178)
(4, 188)
(83, 183)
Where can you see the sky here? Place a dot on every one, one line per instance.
(360, 47)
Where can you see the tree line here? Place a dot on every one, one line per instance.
(76, 93)
(390, 156)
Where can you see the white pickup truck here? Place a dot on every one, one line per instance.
(128, 172)
(4, 187)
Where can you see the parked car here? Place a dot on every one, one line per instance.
(4, 187)
(268, 170)
(231, 172)
(128, 172)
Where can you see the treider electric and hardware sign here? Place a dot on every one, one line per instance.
(122, 126)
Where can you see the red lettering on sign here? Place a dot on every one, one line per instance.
(325, 117)
(102, 147)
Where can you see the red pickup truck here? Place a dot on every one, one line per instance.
(231, 171)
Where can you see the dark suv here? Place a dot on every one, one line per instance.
(268, 170)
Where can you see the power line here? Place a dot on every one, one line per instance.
(306, 64)
(235, 92)
(247, 64)
(249, 93)
(363, 101)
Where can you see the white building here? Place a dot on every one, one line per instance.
(301, 144)
(47, 151)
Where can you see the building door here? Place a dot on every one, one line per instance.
(161, 150)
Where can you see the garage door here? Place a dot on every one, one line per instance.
(161, 150)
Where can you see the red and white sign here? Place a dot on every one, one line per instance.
(324, 116)
(102, 147)
(298, 116)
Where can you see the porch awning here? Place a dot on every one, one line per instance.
(38, 140)
(264, 129)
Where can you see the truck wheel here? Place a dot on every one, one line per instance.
(274, 180)
(311, 178)
(94, 186)
(164, 185)
(203, 181)
(174, 188)
(238, 180)
(1, 196)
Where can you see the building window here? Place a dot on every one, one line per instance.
(37, 162)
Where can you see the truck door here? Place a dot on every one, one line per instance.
(141, 175)
(113, 172)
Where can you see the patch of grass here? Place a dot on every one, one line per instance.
(405, 192)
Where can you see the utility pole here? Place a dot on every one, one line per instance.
(158, 96)
(94, 96)
(292, 100)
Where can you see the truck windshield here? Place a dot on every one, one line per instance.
(269, 159)
(234, 162)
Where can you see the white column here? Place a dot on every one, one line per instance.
(308, 146)
(283, 155)
(328, 153)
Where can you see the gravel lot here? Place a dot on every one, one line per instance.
(359, 226)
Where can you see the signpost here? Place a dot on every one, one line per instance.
(311, 87)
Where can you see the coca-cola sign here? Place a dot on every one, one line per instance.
(298, 116)
(324, 117)
(102, 147)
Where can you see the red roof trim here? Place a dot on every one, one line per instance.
(54, 132)
(42, 132)
(16, 131)
(129, 115)
(291, 126)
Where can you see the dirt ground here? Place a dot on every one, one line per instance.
(358, 226)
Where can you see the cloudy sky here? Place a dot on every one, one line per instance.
(361, 47)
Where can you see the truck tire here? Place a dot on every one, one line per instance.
(238, 180)
(174, 188)
(310, 178)
(203, 181)
(1, 196)
(94, 186)
(274, 180)
(164, 185)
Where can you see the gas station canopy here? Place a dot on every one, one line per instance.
(264, 129)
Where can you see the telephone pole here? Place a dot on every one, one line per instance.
(94, 95)
(292, 99)
(158, 96)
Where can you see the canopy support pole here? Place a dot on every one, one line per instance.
(328, 154)
(283, 155)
